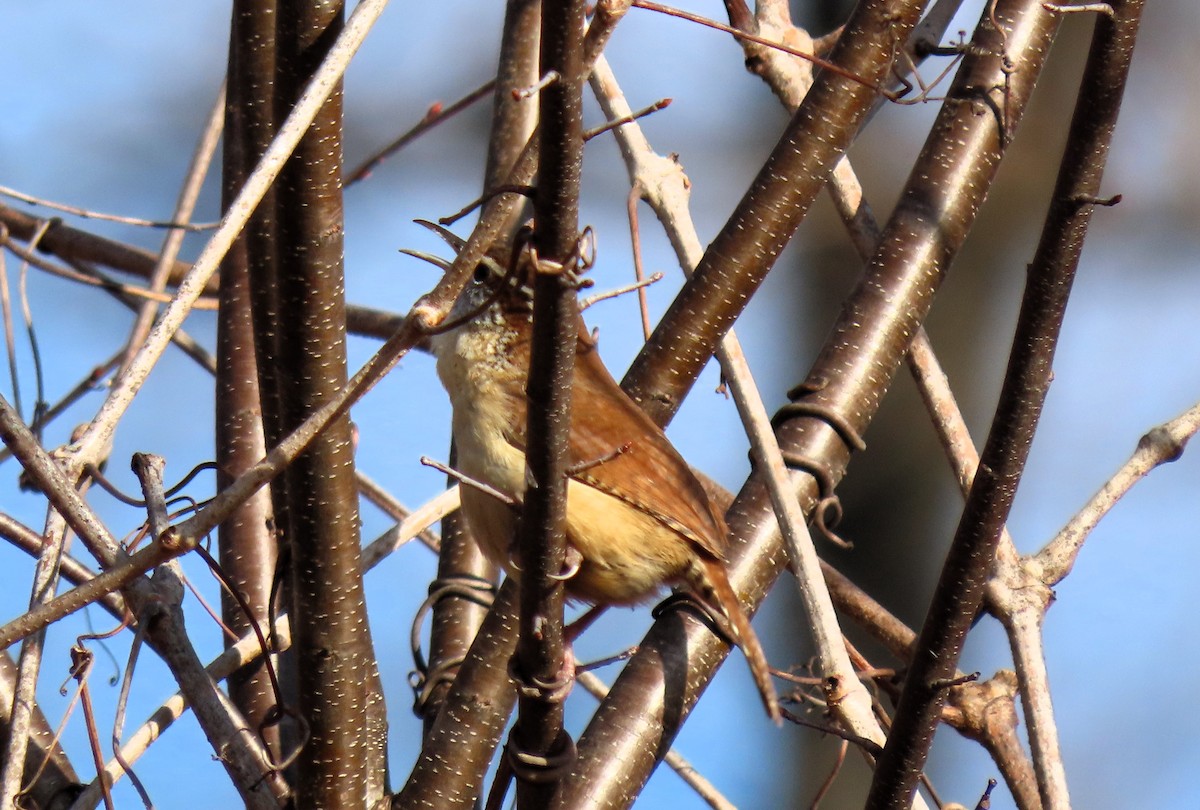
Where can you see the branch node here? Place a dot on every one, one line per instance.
(538, 768)
(949, 683)
(1089, 199)
(526, 93)
(1162, 438)
(547, 691)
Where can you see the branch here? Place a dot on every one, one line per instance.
(246, 542)
(541, 539)
(1161, 445)
(742, 253)
(338, 694)
(25, 717)
(960, 589)
(665, 189)
(94, 443)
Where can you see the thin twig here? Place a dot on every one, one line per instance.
(638, 286)
(595, 132)
(391, 506)
(98, 279)
(743, 35)
(1161, 445)
(10, 342)
(93, 444)
(436, 114)
(189, 193)
(87, 214)
(465, 480)
(249, 648)
(666, 191)
(414, 525)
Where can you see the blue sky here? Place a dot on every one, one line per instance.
(106, 109)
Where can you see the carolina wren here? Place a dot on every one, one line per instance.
(636, 515)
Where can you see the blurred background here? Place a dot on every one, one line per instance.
(104, 105)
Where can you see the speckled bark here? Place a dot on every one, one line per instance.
(747, 246)
(860, 358)
(969, 562)
(341, 763)
(247, 548)
(541, 536)
(449, 774)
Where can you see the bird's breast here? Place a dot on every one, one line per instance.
(481, 381)
(627, 554)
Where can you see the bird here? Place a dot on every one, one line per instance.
(637, 517)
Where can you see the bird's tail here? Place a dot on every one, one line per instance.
(715, 587)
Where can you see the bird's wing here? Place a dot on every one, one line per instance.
(626, 455)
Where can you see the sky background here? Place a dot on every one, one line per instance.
(104, 105)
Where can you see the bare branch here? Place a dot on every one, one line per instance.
(93, 445)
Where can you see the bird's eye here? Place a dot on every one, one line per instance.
(481, 273)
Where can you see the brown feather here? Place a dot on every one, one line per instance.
(637, 476)
(636, 514)
(711, 582)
